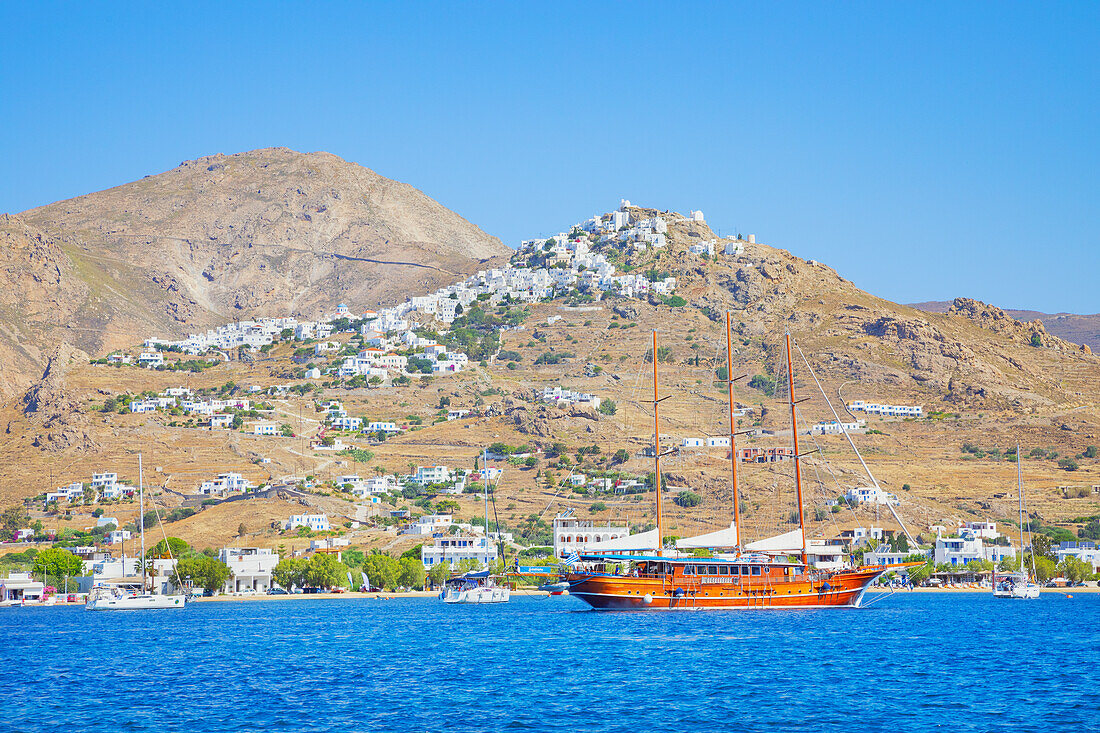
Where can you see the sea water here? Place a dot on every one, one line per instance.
(908, 662)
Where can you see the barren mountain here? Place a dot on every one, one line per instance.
(1077, 327)
(266, 232)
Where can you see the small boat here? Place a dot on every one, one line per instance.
(118, 597)
(474, 587)
(1017, 583)
(555, 589)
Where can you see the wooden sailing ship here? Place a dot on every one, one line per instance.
(655, 578)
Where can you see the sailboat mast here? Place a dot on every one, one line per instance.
(733, 430)
(657, 448)
(141, 522)
(485, 473)
(1020, 491)
(797, 462)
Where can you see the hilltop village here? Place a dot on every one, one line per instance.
(482, 323)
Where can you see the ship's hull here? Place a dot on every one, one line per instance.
(613, 592)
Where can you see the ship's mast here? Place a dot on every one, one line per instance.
(141, 523)
(797, 463)
(733, 430)
(1020, 491)
(657, 448)
(485, 473)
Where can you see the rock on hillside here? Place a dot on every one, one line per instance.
(268, 232)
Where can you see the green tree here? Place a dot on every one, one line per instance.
(1074, 569)
(468, 565)
(412, 573)
(174, 547)
(59, 563)
(919, 573)
(608, 407)
(13, 518)
(325, 571)
(208, 573)
(1067, 463)
(1045, 569)
(1036, 340)
(688, 499)
(439, 574)
(1042, 546)
(382, 571)
(289, 573)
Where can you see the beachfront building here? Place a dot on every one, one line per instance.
(453, 549)
(1084, 551)
(581, 535)
(21, 588)
(250, 568)
(315, 522)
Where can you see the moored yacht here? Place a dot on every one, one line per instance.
(133, 596)
(648, 576)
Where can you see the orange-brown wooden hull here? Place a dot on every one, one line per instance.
(615, 592)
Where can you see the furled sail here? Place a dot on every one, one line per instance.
(786, 542)
(721, 538)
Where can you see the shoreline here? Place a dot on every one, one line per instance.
(526, 592)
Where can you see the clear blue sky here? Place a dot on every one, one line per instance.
(924, 150)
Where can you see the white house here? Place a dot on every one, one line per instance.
(118, 535)
(315, 522)
(429, 524)
(457, 414)
(384, 426)
(431, 475)
(250, 568)
(832, 427)
(870, 495)
(453, 549)
(151, 359)
(578, 535)
(874, 408)
(264, 428)
(347, 423)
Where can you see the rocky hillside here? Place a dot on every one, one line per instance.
(1075, 327)
(986, 381)
(266, 232)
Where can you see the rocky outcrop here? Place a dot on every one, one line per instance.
(57, 419)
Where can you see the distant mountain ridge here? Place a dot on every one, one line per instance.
(1075, 327)
(266, 232)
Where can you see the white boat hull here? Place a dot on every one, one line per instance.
(134, 603)
(476, 595)
(1031, 591)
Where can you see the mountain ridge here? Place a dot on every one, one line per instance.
(269, 231)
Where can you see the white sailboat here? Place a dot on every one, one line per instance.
(477, 587)
(1017, 584)
(114, 598)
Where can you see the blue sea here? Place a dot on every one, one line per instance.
(908, 662)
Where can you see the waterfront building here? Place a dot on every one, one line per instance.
(579, 535)
(453, 549)
(250, 568)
